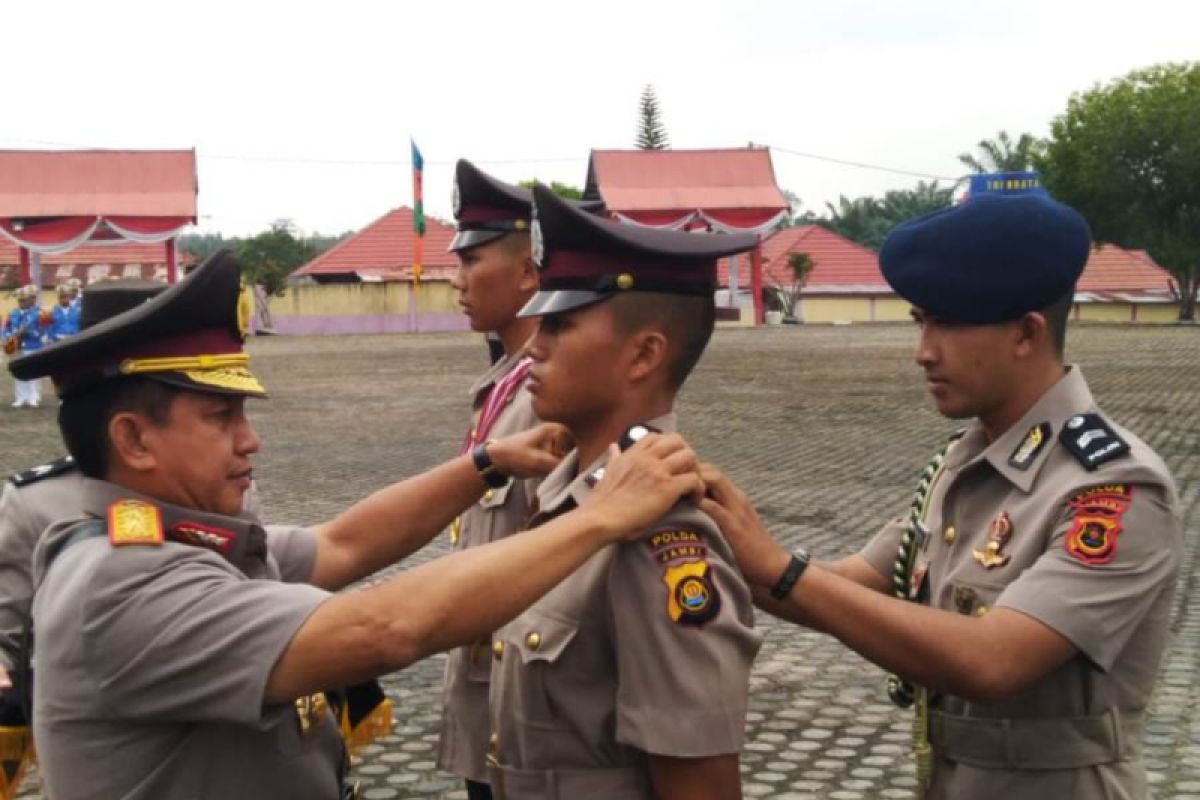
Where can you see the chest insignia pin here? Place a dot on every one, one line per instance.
(998, 534)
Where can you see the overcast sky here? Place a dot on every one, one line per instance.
(304, 110)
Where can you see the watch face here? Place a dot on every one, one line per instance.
(538, 245)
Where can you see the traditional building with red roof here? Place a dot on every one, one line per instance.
(845, 284)
(364, 283)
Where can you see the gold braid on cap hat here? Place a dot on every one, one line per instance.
(138, 366)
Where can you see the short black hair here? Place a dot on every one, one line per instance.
(688, 321)
(1057, 314)
(83, 417)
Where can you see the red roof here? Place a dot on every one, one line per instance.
(384, 250)
(1112, 268)
(92, 262)
(133, 183)
(839, 264)
(656, 186)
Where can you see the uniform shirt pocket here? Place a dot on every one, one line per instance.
(542, 643)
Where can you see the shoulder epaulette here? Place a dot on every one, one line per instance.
(35, 474)
(1092, 440)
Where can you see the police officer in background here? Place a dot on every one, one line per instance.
(64, 317)
(629, 680)
(33, 499)
(25, 332)
(496, 277)
(1026, 592)
(196, 643)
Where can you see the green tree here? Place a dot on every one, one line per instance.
(271, 256)
(794, 215)
(561, 189)
(867, 220)
(787, 293)
(651, 135)
(1002, 154)
(1127, 156)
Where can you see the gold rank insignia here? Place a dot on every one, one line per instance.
(134, 522)
(1027, 451)
(692, 599)
(999, 531)
(455, 531)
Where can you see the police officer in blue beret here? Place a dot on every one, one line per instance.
(1022, 600)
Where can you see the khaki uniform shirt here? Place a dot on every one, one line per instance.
(30, 502)
(646, 648)
(1092, 554)
(502, 511)
(152, 661)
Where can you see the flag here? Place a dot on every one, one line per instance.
(418, 168)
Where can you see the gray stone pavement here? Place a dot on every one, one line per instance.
(826, 428)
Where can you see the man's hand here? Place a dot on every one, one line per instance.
(532, 453)
(5, 681)
(759, 557)
(640, 485)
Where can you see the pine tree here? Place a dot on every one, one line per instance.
(651, 133)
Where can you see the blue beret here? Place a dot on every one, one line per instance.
(989, 259)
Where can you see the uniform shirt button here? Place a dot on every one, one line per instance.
(488, 494)
(533, 641)
(498, 649)
(949, 534)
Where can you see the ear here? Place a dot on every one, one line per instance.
(649, 353)
(127, 436)
(529, 274)
(1033, 334)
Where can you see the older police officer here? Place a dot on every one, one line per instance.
(193, 643)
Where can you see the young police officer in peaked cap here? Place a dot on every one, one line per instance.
(1026, 591)
(629, 679)
(496, 277)
(195, 645)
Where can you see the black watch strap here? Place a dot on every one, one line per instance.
(487, 470)
(795, 568)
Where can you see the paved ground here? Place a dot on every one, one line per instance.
(827, 427)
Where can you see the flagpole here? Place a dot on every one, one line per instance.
(418, 171)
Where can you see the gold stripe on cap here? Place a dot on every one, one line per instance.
(137, 366)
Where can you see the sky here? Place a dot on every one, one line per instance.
(304, 111)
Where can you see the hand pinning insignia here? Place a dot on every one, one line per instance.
(1096, 522)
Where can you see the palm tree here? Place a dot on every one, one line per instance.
(1002, 154)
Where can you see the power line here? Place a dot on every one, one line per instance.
(863, 165)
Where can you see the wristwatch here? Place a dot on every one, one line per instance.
(487, 470)
(795, 568)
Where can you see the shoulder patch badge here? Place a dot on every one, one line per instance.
(692, 598)
(1027, 451)
(670, 547)
(1091, 440)
(35, 474)
(134, 522)
(1096, 521)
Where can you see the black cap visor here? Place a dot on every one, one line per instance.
(465, 240)
(556, 301)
